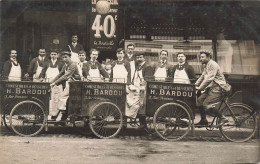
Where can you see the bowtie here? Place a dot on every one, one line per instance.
(180, 67)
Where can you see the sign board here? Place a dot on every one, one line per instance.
(84, 96)
(160, 93)
(104, 24)
(15, 92)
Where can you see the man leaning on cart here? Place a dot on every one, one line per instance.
(68, 73)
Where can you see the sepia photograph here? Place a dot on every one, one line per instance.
(129, 81)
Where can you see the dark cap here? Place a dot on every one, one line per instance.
(66, 53)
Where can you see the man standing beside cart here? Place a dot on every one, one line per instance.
(68, 73)
(12, 70)
(50, 70)
(36, 65)
(82, 61)
(136, 97)
(213, 82)
(183, 72)
(129, 56)
(120, 71)
(162, 69)
(75, 48)
(93, 70)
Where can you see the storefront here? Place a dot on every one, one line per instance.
(228, 28)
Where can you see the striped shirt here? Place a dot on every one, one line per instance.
(211, 73)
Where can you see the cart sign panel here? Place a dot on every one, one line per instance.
(84, 96)
(160, 93)
(15, 92)
(104, 23)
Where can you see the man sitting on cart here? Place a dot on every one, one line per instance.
(120, 71)
(212, 81)
(68, 73)
(93, 70)
(136, 97)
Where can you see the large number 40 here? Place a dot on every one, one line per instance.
(97, 27)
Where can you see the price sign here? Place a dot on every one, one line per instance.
(104, 21)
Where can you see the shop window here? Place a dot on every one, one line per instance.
(238, 57)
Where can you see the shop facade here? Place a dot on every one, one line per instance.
(230, 29)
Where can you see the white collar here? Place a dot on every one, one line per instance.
(15, 61)
(130, 55)
(53, 61)
(41, 58)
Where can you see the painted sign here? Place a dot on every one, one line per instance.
(15, 92)
(104, 23)
(160, 93)
(85, 95)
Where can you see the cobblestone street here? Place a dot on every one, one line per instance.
(66, 145)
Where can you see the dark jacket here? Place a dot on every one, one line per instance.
(72, 72)
(33, 65)
(75, 49)
(7, 68)
(49, 64)
(88, 65)
(128, 69)
(188, 69)
(168, 68)
(147, 71)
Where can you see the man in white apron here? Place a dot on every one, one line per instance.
(68, 73)
(82, 61)
(36, 66)
(162, 70)
(12, 69)
(93, 70)
(183, 72)
(74, 48)
(131, 58)
(50, 70)
(120, 71)
(135, 100)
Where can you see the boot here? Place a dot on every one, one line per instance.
(142, 122)
(203, 120)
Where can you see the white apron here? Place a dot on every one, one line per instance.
(74, 56)
(56, 91)
(37, 74)
(80, 65)
(94, 75)
(135, 99)
(132, 67)
(64, 96)
(15, 73)
(160, 74)
(180, 76)
(120, 73)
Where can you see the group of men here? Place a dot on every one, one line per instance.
(130, 68)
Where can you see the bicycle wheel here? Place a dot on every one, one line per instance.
(106, 120)
(27, 118)
(172, 121)
(241, 125)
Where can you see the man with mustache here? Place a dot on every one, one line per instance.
(183, 72)
(162, 68)
(12, 70)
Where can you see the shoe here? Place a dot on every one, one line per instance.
(142, 127)
(222, 121)
(202, 123)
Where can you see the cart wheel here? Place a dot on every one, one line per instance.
(106, 120)
(149, 125)
(27, 118)
(172, 121)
